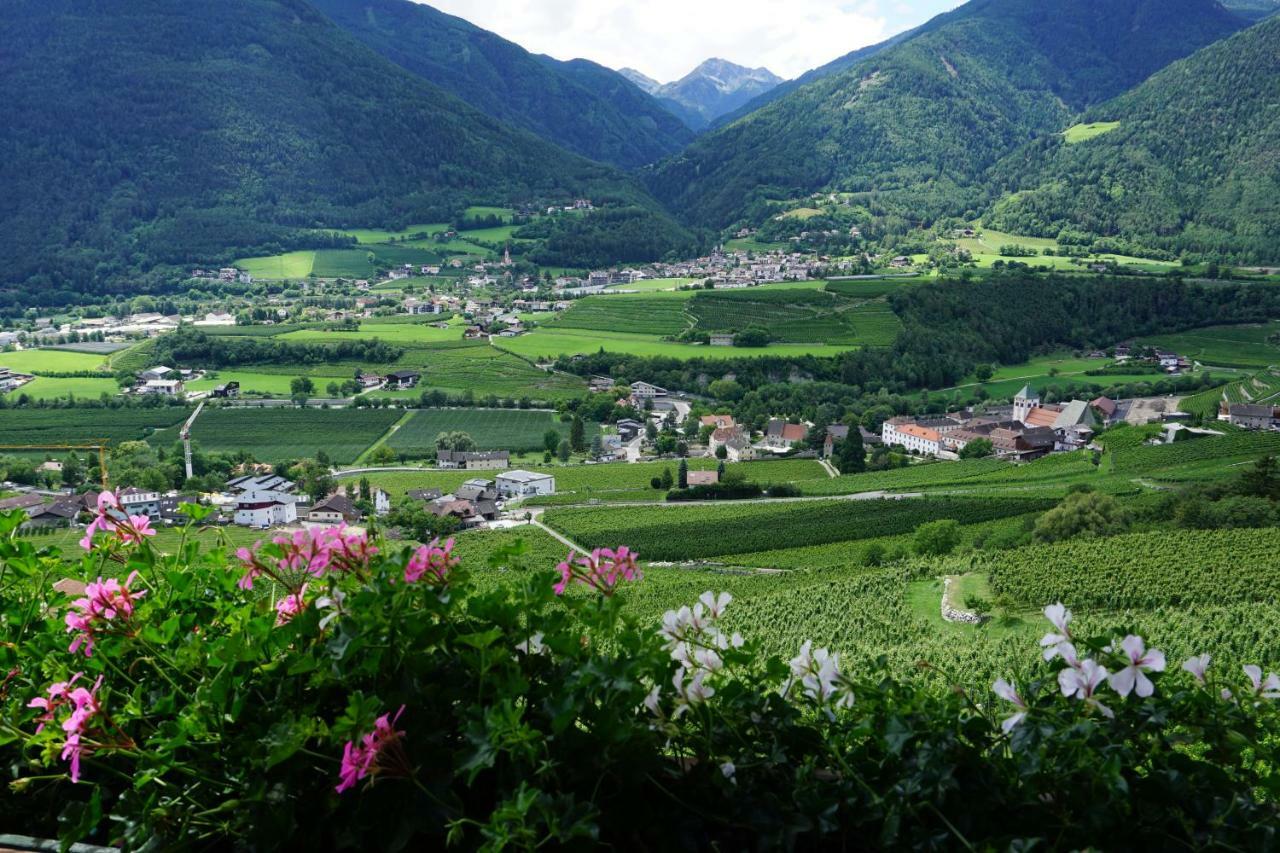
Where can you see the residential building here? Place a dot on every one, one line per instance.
(477, 490)
(263, 508)
(629, 428)
(260, 482)
(600, 384)
(140, 502)
(718, 421)
(164, 387)
(493, 460)
(915, 439)
(228, 390)
(836, 433)
(1106, 408)
(335, 509)
(780, 435)
(739, 449)
(46, 516)
(1254, 416)
(646, 391)
(402, 380)
(514, 485)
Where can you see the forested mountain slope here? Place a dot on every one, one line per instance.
(918, 124)
(578, 105)
(145, 132)
(1192, 166)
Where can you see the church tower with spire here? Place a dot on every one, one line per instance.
(1024, 403)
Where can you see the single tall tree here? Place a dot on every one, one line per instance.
(850, 455)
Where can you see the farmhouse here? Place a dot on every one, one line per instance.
(227, 391)
(739, 449)
(402, 380)
(514, 485)
(158, 372)
(166, 387)
(600, 384)
(1254, 416)
(335, 509)
(722, 340)
(493, 460)
(780, 435)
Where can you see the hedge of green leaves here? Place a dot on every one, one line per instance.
(327, 691)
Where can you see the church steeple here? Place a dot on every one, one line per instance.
(1024, 403)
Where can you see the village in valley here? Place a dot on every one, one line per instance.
(477, 337)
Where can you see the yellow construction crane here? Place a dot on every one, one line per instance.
(101, 447)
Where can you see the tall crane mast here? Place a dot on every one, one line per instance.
(185, 435)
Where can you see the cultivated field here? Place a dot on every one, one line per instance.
(492, 429)
(1227, 346)
(77, 426)
(278, 435)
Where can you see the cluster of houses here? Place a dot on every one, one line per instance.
(478, 501)
(1026, 430)
(164, 381)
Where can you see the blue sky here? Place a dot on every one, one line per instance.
(665, 39)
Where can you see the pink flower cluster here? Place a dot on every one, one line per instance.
(84, 705)
(290, 606)
(103, 603)
(130, 529)
(602, 569)
(433, 561)
(317, 552)
(379, 751)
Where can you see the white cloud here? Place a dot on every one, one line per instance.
(667, 38)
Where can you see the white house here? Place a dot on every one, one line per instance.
(169, 387)
(139, 502)
(646, 391)
(524, 484)
(264, 508)
(915, 439)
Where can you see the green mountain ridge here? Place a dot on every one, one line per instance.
(1192, 166)
(916, 126)
(157, 132)
(578, 105)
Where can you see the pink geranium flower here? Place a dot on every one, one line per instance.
(379, 751)
(603, 569)
(84, 705)
(104, 602)
(290, 606)
(130, 529)
(431, 560)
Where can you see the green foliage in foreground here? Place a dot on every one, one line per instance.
(399, 703)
